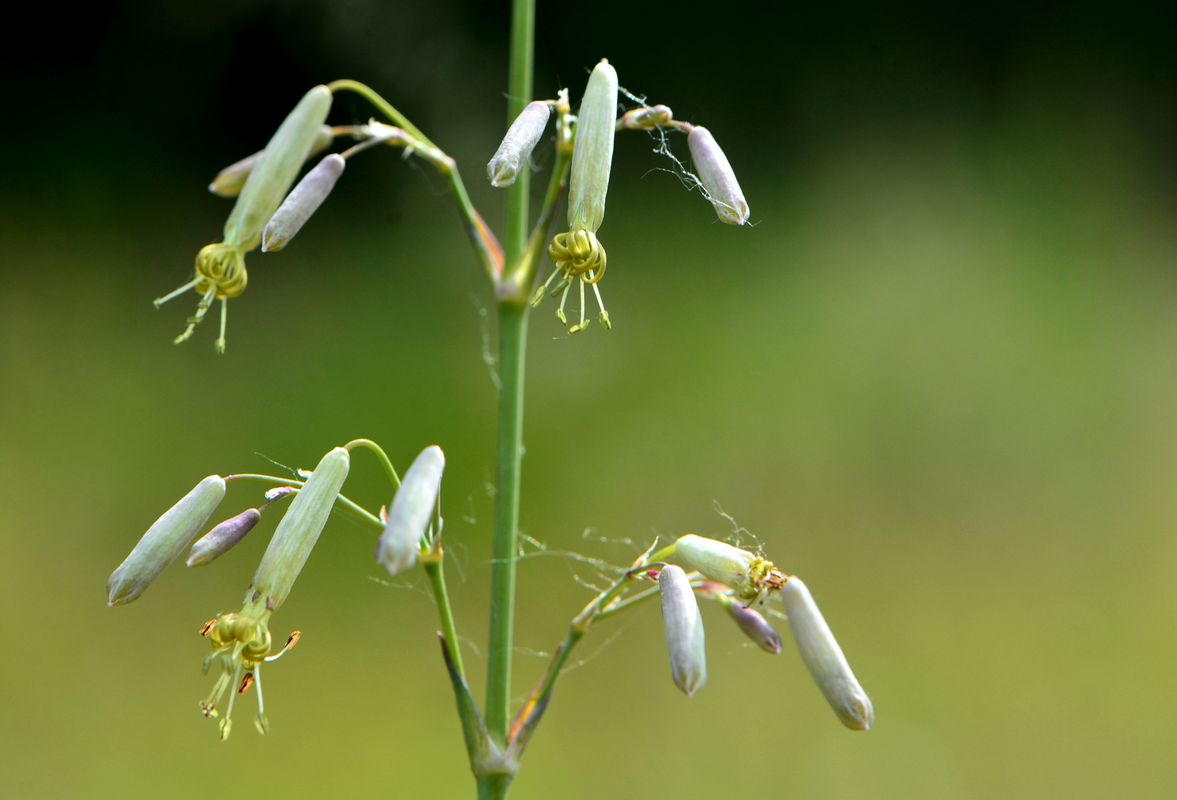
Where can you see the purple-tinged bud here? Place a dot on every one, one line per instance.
(717, 177)
(592, 153)
(521, 139)
(299, 530)
(168, 536)
(822, 655)
(754, 626)
(230, 181)
(412, 508)
(278, 492)
(303, 201)
(684, 630)
(223, 537)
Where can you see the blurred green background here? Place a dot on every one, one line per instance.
(936, 377)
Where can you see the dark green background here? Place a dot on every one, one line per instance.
(937, 377)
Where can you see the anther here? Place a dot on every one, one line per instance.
(291, 641)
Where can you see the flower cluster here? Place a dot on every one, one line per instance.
(740, 579)
(240, 640)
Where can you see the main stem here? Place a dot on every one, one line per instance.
(512, 352)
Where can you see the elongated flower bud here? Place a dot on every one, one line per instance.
(717, 177)
(521, 139)
(592, 154)
(754, 626)
(231, 179)
(299, 529)
(411, 510)
(164, 541)
(303, 201)
(222, 538)
(281, 160)
(684, 630)
(824, 658)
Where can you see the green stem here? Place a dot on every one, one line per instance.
(382, 456)
(480, 235)
(512, 342)
(350, 506)
(386, 108)
(512, 352)
(435, 570)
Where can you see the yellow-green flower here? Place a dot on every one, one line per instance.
(578, 254)
(241, 644)
(220, 267)
(750, 576)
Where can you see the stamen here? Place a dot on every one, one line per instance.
(604, 315)
(582, 324)
(538, 296)
(209, 706)
(563, 299)
(159, 301)
(220, 342)
(195, 319)
(227, 722)
(291, 641)
(260, 722)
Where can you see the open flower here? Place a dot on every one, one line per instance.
(241, 644)
(750, 576)
(578, 254)
(241, 640)
(220, 267)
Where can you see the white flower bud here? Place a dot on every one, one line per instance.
(400, 544)
(684, 630)
(717, 177)
(164, 541)
(521, 139)
(592, 153)
(303, 201)
(824, 658)
(223, 537)
(281, 161)
(299, 530)
(230, 181)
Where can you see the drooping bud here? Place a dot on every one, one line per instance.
(824, 658)
(223, 537)
(164, 541)
(303, 201)
(400, 544)
(592, 154)
(281, 160)
(278, 492)
(684, 630)
(521, 139)
(299, 529)
(230, 180)
(754, 626)
(717, 177)
(750, 575)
